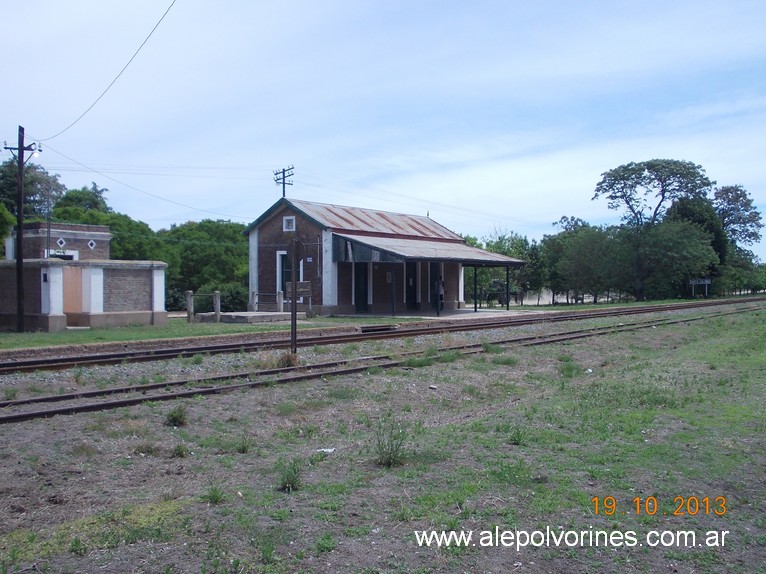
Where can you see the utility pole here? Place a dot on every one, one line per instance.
(281, 175)
(20, 225)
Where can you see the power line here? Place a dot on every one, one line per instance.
(125, 67)
(122, 183)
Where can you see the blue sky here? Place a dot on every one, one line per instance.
(486, 115)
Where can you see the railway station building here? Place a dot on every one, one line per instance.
(352, 260)
(69, 280)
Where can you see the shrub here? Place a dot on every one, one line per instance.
(289, 474)
(389, 437)
(176, 417)
(286, 360)
(180, 451)
(214, 495)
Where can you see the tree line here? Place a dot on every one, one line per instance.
(677, 225)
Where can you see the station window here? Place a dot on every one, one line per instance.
(288, 223)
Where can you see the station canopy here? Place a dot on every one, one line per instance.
(366, 248)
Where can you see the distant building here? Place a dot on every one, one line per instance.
(360, 260)
(69, 281)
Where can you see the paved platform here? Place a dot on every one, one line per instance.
(450, 314)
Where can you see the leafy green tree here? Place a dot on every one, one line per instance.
(759, 278)
(533, 272)
(552, 250)
(584, 263)
(644, 190)
(621, 258)
(85, 198)
(740, 274)
(741, 220)
(208, 252)
(7, 221)
(513, 245)
(41, 189)
(570, 223)
(701, 212)
(673, 253)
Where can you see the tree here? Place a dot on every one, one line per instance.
(645, 189)
(533, 271)
(551, 251)
(740, 219)
(513, 245)
(741, 273)
(209, 252)
(701, 212)
(7, 221)
(41, 189)
(674, 252)
(584, 263)
(85, 198)
(570, 223)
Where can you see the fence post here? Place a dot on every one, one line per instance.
(189, 306)
(281, 301)
(217, 306)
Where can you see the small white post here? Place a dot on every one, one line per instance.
(217, 306)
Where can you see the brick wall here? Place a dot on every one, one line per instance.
(8, 290)
(32, 287)
(271, 238)
(127, 290)
(73, 237)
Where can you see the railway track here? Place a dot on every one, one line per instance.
(310, 340)
(14, 411)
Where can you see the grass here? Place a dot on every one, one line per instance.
(215, 494)
(499, 442)
(289, 474)
(176, 328)
(177, 417)
(389, 437)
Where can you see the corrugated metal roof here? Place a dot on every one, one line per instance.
(356, 219)
(415, 249)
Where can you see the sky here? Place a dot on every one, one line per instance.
(488, 116)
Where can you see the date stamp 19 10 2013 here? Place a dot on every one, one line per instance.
(682, 506)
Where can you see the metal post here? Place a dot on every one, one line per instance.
(393, 289)
(294, 297)
(20, 235)
(507, 288)
(475, 290)
(20, 224)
